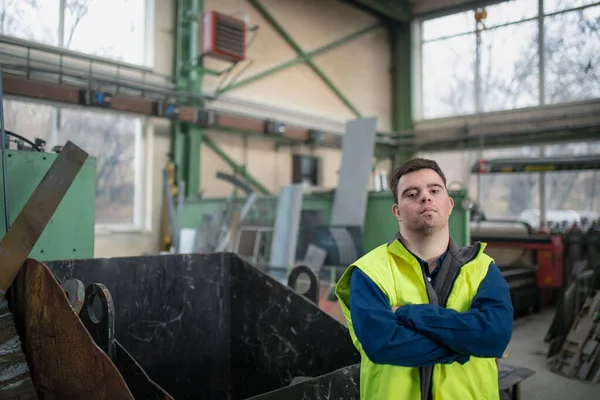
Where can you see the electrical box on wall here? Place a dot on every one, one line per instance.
(306, 169)
(223, 37)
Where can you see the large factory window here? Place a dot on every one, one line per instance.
(120, 30)
(492, 61)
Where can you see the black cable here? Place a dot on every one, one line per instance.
(36, 147)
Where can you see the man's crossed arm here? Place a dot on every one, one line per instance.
(422, 334)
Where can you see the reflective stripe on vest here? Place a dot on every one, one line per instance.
(400, 276)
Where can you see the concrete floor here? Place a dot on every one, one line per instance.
(528, 349)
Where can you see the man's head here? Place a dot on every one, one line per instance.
(422, 203)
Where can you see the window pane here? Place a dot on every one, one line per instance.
(111, 139)
(86, 28)
(449, 90)
(551, 6)
(31, 20)
(509, 67)
(572, 53)
(510, 11)
(450, 25)
(508, 195)
(30, 120)
(577, 190)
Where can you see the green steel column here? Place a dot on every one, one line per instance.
(401, 49)
(186, 138)
(195, 133)
(177, 140)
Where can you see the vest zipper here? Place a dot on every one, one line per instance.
(426, 373)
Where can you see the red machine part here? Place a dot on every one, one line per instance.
(223, 37)
(549, 250)
(550, 263)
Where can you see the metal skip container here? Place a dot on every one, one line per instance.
(211, 326)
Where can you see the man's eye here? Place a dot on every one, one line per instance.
(411, 195)
(435, 191)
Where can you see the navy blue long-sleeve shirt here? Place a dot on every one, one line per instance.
(420, 335)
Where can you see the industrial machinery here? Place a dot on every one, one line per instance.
(532, 264)
(70, 233)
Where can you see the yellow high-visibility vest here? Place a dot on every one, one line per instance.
(400, 276)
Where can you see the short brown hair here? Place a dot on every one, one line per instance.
(412, 165)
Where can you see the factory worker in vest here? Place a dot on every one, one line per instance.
(428, 317)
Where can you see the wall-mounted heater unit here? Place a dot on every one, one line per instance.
(223, 37)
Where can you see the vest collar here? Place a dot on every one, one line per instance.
(397, 246)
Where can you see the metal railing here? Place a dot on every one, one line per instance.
(46, 63)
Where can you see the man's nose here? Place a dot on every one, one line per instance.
(425, 197)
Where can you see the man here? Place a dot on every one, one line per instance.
(429, 318)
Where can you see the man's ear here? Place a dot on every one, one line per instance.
(451, 200)
(396, 212)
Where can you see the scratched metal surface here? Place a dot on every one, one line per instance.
(211, 326)
(340, 384)
(65, 363)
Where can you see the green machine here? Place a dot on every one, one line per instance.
(70, 232)
(379, 227)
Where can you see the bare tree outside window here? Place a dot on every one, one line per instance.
(33, 20)
(109, 138)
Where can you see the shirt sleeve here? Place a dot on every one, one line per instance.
(383, 338)
(482, 331)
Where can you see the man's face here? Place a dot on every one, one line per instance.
(424, 205)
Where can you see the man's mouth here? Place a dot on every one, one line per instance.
(426, 209)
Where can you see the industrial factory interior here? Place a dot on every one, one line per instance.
(187, 186)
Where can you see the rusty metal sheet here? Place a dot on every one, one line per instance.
(40, 90)
(131, 104)
(64, 360)
(16, 245)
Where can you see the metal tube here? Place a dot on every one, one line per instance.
(3, 143)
